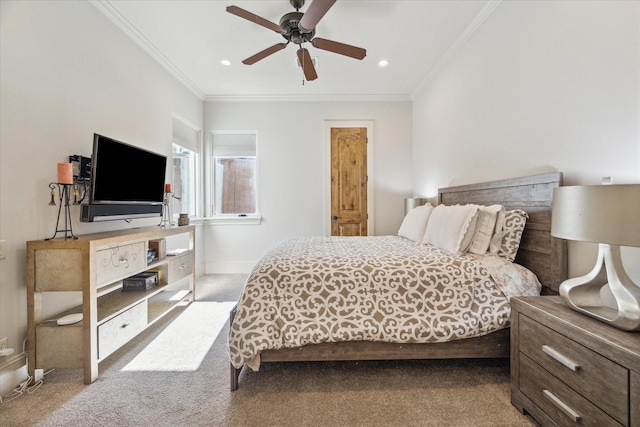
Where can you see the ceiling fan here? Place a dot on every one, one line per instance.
(298, 28)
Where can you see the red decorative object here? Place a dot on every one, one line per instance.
(65, 173)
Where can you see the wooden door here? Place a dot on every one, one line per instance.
(348, 181)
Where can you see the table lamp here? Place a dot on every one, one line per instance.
(413, 202)
(610, 216)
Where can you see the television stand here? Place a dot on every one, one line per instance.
(95, 265)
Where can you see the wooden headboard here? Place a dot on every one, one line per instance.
(541, 253)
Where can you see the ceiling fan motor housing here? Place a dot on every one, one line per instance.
(291, 29)
(297, 4)
(289, 24)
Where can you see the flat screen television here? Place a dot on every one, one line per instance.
(126, 182)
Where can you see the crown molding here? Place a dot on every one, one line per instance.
(114, 16)
(121, 22)
(308, 98)
(479, 19)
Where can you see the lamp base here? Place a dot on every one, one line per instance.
(606, 293)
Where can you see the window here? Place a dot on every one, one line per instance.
(235, 184)
(184, 180)
(185, 168)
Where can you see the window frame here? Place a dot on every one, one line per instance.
(195, 173)
(228, 219)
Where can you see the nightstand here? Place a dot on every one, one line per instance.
(569, 369)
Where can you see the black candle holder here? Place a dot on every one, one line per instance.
(63, 195)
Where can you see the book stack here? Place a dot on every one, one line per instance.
(140, 282)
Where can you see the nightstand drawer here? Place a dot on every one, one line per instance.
(595, 377)
(560, 402)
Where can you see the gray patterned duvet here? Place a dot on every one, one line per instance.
(380, 288)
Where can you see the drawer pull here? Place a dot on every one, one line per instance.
(560, 358)
(566, 409)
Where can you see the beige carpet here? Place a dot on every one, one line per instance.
(135, 390)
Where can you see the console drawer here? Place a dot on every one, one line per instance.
(115, 332)
(598, 379)
(560, 402)
(120, 261)
(180, 267)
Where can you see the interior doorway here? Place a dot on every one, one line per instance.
(349, 178)
(348, 181)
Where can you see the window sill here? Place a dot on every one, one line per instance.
(234, 220)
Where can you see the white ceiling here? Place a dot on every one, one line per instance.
(191, 38)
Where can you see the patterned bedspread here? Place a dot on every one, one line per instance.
(377, 288)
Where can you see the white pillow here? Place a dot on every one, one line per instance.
(485, 229)
(496, 239)
(415, 223)
(451, 227)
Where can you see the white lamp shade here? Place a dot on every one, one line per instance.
(413, 202)
(597, 213)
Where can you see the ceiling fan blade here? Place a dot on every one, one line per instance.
(235, 10)
(307, 64)
(314, 14)
(264, 53)
(340, 48)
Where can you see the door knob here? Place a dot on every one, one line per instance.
(335, 218)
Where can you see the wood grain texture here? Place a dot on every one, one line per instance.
(620, 346)
(600, 380)
(541, 253)
(635, 399)
(494, 345)
(604, 389)
(535, 381)
(349, 182)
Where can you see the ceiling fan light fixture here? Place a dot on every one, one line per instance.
(383, 63)
(226, 63)
(298, 28)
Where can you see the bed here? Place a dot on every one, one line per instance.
(262, 326)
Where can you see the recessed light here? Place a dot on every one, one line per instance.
(226, 62)
(383, 63)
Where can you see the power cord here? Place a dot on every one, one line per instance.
(24, 385)
(21, 388)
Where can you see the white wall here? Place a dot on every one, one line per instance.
(541, 86)
(67, 72)
(291, 168)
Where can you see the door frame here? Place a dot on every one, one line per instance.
(328, 124)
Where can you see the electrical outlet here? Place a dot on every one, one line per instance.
(4, 343)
